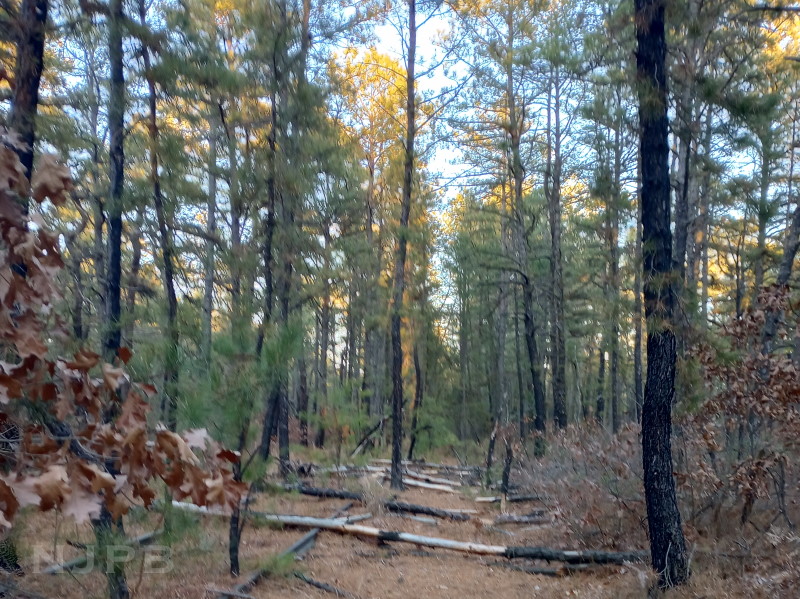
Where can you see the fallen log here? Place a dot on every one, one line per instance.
(524, 498)
(348, 469)
(465, 470)
(80, 562)
(510, 499)
(429, 479)
(287, 519)
(392, 506)
(324, 493)
(411, 508)
(564, 570)
(410, 482)
(509, 552)
(324, 586)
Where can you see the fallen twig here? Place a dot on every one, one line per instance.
(325, 586)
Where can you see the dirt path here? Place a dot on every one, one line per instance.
(362, 567)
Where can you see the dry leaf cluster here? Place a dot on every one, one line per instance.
(60, 449)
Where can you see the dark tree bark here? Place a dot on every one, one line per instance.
(32, 20)
(522, 389)
(169, 403)
(135, 240)
(552, 186)
(419, 393)
(116, 127)
(324, 328)
(78, 330)
(283, 397)
(614, 281)
(667, 544)
(539, 421)
(273, 395)
(105, 531)
(601, 386)
(302, 396)
(638, 387)
(398, 284)
(210, 257)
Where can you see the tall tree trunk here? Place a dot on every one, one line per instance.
(517, 171)
(522, 388)
(539, 419)
(500, 408)
(553, 193)
(419, 394)
(325, 322)
(302, 394)
(78, 330)
(29, 62)
(638, 388)
(601, 385)
(763, 217)
(135, 240)
(116, 127)
(171, 353)
(614, 282)
(398, 284)
(273, 396)
(210, 257)
(667, 544)
(702, 227)
(283, 407)
(463, 355)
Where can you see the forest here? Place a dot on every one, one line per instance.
(512, 278)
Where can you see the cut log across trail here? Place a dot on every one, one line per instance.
(411, 508)
(429, 479)
(510, 499)
(410, 482)
(298, 549)
(392, 506)
(510, 552)
(80, 562)
(344, 470)
(287, 519)
(324, 493)
(465, 470)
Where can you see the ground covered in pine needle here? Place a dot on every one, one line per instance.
(363, 568)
